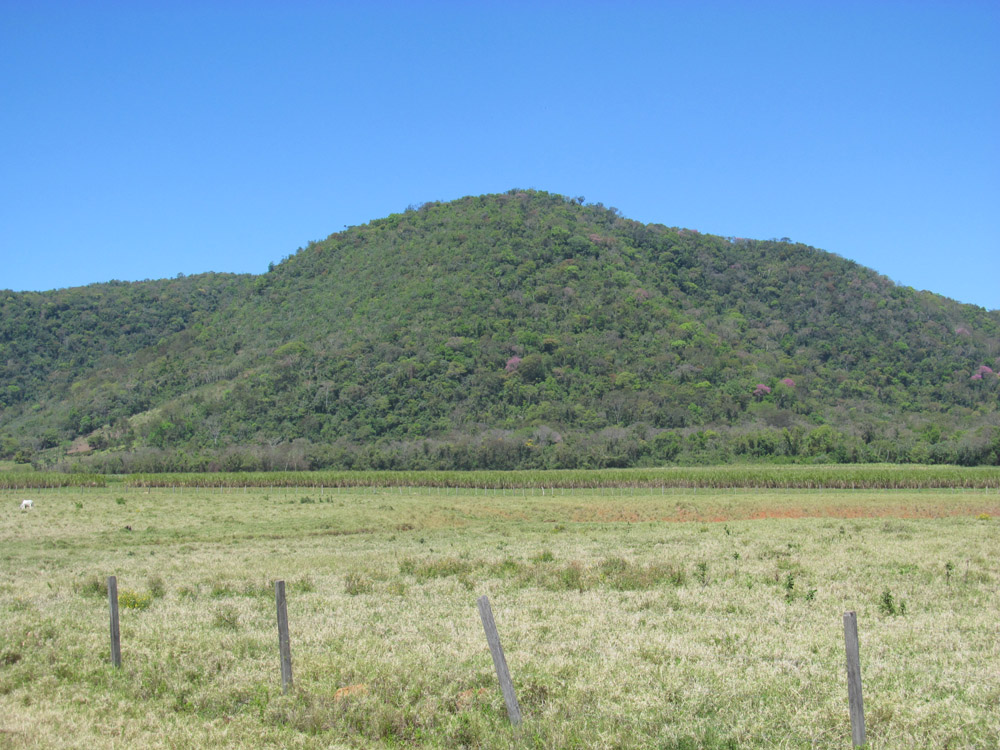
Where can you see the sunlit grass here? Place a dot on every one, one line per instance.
(634, 619)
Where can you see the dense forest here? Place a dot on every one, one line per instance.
(522, 330)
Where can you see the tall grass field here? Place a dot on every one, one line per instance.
(753, 476)
(633, 616)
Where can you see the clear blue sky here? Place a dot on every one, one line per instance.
(146, 139)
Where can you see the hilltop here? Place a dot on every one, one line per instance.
(517, 330)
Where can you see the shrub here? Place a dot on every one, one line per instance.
(571, 577)
(133, 599)
(889, 606)
(93, 586)
(156, 586)
(702, 573)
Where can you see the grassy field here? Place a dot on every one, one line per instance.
(631, 617)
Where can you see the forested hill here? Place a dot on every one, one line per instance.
(517, 330)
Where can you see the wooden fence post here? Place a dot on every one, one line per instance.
(284, 645)
(116, 637)
(857, 706)
(499, 662)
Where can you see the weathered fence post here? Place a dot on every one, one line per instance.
(284, 645)
(854, 679)
(499, 662)
(116, 637)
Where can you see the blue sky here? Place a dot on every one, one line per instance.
(143, 140)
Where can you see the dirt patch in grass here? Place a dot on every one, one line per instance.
(876, 511)
(714, 512)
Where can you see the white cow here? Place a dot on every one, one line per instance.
(27, 504)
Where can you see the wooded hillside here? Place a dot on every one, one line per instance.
(501, 331)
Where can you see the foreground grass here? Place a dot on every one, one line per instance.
(632, 620)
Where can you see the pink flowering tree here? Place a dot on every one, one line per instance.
(761, 390)
(512, 363)
(788, 382)
(983, 371)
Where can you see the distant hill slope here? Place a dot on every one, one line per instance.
(522, 329)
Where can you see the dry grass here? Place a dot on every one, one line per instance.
(630, 620)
